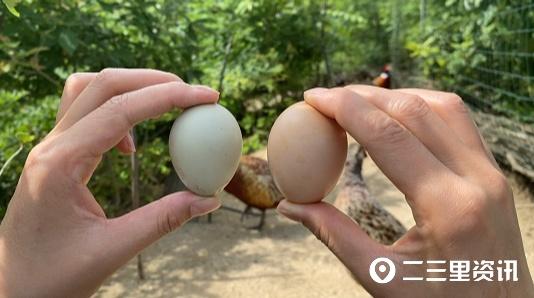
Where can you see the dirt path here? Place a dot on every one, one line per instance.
(224, 259)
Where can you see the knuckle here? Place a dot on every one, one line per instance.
(453, 102)
(321, 232)
(165, 224)
(341, 92)
(40, 157)
(175, 77)
(498, 188)
(170, 221)
(384, 129)
(118, 101)
(478, 203)
(41, 168)
(118, 106)
(73, 81)
(47, 155)
(35, 158)
(345, 101)
(410, 107)
(343, 95)
(105, 76)
(474, 213)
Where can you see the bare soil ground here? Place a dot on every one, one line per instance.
(224, 259)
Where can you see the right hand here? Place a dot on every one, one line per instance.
(428, 146)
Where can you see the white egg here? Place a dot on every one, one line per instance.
(205, 146)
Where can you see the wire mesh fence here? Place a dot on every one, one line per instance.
(503, 84)
(504, 80)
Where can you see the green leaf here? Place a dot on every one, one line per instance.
(68, 41)
(10, 4)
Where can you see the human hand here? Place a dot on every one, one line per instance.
(428, 146)
(55, 240)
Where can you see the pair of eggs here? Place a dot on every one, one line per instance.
(306, 151)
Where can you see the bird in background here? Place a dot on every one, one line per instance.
(384, 79)
(254, 185)
(355, 200)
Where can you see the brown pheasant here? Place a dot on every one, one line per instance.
(355, 200)
(254, 185)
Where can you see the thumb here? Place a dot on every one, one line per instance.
(341, 235)
(141, 227)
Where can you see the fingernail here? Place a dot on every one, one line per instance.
(287, 209)
(315, 92)
(205, 88)
(130, 143)
(204, 206)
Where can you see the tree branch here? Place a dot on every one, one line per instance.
(227, 51)
(135, 197)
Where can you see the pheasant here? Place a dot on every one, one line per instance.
(355, 200)
(254, 185)
(384, 79)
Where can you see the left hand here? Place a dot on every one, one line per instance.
(55, 239)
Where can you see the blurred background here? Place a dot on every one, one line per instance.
(262, 55)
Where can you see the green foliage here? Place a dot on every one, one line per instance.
(482, 50)
(261, 55)
(10, 5)
(23, 121)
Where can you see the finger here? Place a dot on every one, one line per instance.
(401, 156)
(341, 235)
(416, 115)
(109, 83)
(126, 145)
(74, 85)
(117, 116)
(141, 227)
(451, 108)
